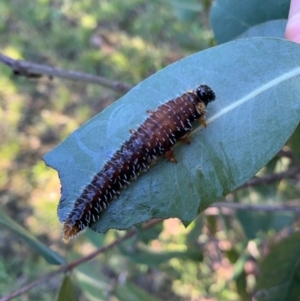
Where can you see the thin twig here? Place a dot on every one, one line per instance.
(291, 173)
(271, 178)
(72, 265)
(30, 69)
(265, 180)
(33, 284)
(287, 153)
(265, 208)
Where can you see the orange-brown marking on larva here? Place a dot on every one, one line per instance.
(154, 138)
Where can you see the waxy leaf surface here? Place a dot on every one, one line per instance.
(257, 108)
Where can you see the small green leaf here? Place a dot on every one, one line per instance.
(274, 29)
(188, 4)
(96, 239)
(194, 233)
(294, 144)
(94, 287)
(50, 256)
(66, 291)
(154, 259)
(253, 222)
(146, 235)
(256, 110)
(238, 268)
(230, 18)
(280, 272)
(131, 292)
(185, 10)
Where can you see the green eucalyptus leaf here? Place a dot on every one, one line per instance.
(131, 292)
(253, 222)
(185, 10)
(49, 255)
(274, 29)
(94, 238)
(280, 272)
(93, 285)
(67, 291)
(191, 5)
(147, 235)
(294, 143)
(257, 108)
(230, 18)
(154, 259)
(194, 233)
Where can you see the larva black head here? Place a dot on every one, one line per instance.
(205, 94)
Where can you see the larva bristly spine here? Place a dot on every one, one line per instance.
(154, 138)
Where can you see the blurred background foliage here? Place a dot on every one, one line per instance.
(214, 258)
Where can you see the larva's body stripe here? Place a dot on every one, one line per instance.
(154, 138)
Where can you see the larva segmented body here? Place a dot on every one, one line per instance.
(156, 137)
